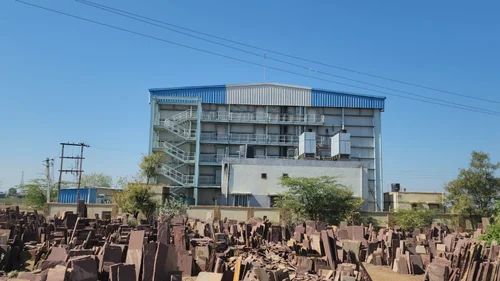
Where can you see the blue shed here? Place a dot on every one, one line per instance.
(68, 195)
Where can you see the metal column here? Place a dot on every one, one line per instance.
(197, 153)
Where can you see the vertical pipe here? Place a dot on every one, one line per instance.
(378, 158)
(197, 152)
(190, 122)
(343, 119)
(60, 170)
(228, 171)
(80, 171)
(47, 171)
(228, 133)
(152, 121)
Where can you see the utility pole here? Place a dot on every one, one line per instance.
(78, 171)
(47, 164)
(21, 184)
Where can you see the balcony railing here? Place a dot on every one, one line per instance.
(250, 138)
(209, 181)
(214, 158)
(217, 158)
(262, 117)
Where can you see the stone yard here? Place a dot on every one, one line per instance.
(74, 247)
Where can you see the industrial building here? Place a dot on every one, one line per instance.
(230, 144)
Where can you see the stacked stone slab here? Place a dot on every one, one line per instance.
(78, 248)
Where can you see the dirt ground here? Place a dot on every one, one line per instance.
(377, 273)
(384, 273)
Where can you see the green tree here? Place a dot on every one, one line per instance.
(97, 180)
(319, 199)
(136, 198)
(413, 219)
(172, 207)
(12, 191)
(150, 165)
(493, 230)
(36, 193)
(473, 192)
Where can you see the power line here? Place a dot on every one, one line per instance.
(303, 67)
(424, 99)
(124, 13)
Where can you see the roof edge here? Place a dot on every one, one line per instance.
(153, 90)
(185, 88)
(269, 84)
(347, 93)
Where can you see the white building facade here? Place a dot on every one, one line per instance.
(218, 141)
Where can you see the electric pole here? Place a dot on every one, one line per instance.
(79, 164)
(47, 163)
(21, 184)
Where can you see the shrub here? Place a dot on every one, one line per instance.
(413, 219)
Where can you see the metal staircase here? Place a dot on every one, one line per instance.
(176, 152)
(176, 176)
(179, 126)
(176, 124)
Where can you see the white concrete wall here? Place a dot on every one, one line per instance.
(239, 214)
(245, 177)
(234, 213)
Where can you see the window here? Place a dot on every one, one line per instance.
(263, 176)
(240, 200)
(285, 175)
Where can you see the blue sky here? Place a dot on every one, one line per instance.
(66, 80)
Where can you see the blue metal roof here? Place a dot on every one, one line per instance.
(327, 98)
(208, 94)
(218, 94)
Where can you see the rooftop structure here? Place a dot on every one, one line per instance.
(397, 200)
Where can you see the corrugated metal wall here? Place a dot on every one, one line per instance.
(208, 94)
(266, 94)
(322, 98)
(69, 195)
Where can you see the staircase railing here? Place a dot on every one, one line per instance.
(178, 177)
(176, 151)
(174, 124)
